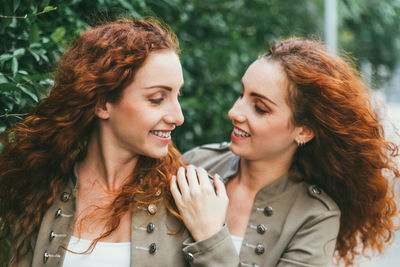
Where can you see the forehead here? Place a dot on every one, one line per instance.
(160, 67)
(266, 77)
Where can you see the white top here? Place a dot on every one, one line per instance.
(105, 254)
(237, 241)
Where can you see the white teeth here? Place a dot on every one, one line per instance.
(161, 134)
(240, 133)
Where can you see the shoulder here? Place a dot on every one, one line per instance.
(205, 153)
(215, 158)
(315, 200)
(318, 194)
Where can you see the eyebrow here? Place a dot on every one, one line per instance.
(162, 87)
(264, 97)
(260, 96)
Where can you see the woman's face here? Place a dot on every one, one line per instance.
(140, 123)
(261, 116)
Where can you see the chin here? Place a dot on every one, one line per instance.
(236, 150)
(158, 154)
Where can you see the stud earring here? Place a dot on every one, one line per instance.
(300, 142)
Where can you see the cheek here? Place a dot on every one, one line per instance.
(274, 128)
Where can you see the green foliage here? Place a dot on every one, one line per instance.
(219, 39)
(370, 30)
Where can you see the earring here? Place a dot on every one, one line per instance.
(300, 142)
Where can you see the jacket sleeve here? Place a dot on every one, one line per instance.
(314, 243)
(215, 251)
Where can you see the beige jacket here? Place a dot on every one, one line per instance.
(291, 224)
(152, 243)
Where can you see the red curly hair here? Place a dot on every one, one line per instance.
(40, 151)
(349, 157)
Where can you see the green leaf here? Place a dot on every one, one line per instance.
(3, 79)
(58, 34)
(48, 9)
(7, 86)
(19, 52)
(34, 45)
(14, 65)
(16, 4)
(35, 55)
(5, 57)
(29, 93)
(45, 3)
(34, 36)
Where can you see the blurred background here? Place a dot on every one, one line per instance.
(219, 39)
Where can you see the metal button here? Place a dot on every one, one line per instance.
(65, 196)
(58, 213)
(189, 257)
(150, 228)
(52, 235)
(261, 229)
(268, 211)
(259, 249)
(45, 256)
(152, 209)
(152, 248)
(316, 190)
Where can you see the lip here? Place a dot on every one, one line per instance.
(164, 140)
(240, 129)
(234, 137)
(237, 138)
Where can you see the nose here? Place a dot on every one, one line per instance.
(175, 115)
(236, 113)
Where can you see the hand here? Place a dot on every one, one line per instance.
(203, 209)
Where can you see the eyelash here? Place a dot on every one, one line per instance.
(259, 110)
(157, 101)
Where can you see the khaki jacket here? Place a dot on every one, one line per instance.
(291, 223)
(152, 241)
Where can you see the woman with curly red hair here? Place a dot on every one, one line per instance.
(307, 171)
(85, 177)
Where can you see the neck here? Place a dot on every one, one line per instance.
(256, 174)
(106, 165)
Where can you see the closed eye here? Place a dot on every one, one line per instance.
(157, 101)
(260, 110)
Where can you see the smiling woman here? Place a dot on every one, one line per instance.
(307, 172)
(85, 177)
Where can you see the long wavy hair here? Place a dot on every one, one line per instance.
(40, 151)
(348, 157)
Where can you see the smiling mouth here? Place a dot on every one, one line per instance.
(162, 134)
(240, 133)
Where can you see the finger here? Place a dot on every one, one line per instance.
(176, 194)
(204, 179)
(191, 175)
(219, 186)
(182, 182)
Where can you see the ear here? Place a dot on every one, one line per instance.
(102, 109)
(303, 135)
